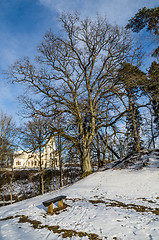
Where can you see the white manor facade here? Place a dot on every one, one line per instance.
(49, 158)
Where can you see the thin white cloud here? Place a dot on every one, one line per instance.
(117, 11)
(61, 5)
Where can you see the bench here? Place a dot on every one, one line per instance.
(49, 203)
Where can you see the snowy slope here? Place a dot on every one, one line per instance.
(112, 204)
(145, 158)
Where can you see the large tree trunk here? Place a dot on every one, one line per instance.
(85, 160)
(138, 147)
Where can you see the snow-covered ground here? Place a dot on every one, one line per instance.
(111, 204)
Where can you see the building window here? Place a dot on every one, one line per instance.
(32, 163)
(35, 163)
(18, 163)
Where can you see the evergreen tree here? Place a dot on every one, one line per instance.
(149, 19)
(146, 18)
(131, 78)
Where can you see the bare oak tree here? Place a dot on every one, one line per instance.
(74, 77)
(8, 137)
(33, 137)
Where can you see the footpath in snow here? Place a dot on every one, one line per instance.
(113, 204)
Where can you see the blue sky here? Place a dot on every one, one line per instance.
(24, 22)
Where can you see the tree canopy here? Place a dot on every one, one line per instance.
(74, 77)
(149, 19)
(145, 17)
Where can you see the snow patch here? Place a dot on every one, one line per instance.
(114, 204)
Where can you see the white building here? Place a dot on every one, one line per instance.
(49, 156)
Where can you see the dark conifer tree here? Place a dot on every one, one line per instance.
(149, 19)
(131, 80)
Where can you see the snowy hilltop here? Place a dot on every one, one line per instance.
(145, 158)
(119, 203)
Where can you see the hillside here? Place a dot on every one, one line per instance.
(109, 204)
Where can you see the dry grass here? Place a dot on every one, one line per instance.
(114, 203)
(66, 233)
